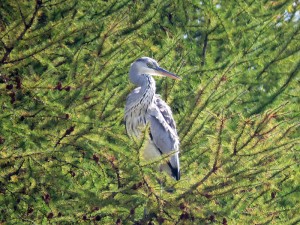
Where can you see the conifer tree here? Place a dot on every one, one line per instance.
(64, 154)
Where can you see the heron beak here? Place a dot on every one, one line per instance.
(163, 72)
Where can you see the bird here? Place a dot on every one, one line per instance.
(144, 106)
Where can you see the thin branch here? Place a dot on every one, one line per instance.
(205, 46)
(26, 28)
(8, 176)
(215, 166)
(67, 132)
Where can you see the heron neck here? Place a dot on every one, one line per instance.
(148, 84)
(145, 81)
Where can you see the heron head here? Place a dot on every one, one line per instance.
(147, 65)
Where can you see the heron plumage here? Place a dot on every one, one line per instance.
(137, 104)
(144, 106)
(164, 134)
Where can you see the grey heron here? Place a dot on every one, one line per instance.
(144, 106)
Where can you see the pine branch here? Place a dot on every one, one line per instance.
(67, 132)
(215, 166)
(27, 26)
(274, 96)
(16, 172)
(204, 49)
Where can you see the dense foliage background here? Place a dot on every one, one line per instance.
(64, 153)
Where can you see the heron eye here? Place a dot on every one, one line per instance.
(150, 65)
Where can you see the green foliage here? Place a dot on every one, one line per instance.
(64, 153)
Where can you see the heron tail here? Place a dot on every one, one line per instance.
(169, 169)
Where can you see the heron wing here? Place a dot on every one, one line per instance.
(166, 112)
(163, 133)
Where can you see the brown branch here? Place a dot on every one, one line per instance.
(44, 47)
(283, 48)
(204, 49)
(194, 115)
(215, 166)
(191, 118)
(217, 156)
(27, 26)
(22, 15)
(116, 169)
(191, 137)
(8, 176)
(252, 136)
(286, 145)
(237, 139)
(68, 131)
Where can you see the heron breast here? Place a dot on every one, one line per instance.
(137, 117)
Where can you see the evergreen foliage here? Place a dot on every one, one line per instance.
(64, 154)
